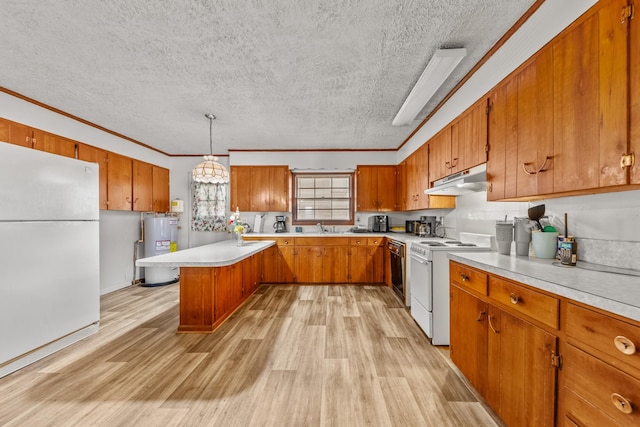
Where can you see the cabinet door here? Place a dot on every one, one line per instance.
(57, 145)
(160, 190)
(279, 177)
(142, 185)
(309, 264)
(366, 189)
(335, 264)
(634, 98)
(240, 188)
(440, 160)
(469, 138)
(286, 264)
(99, 156)
(119, 182)
(270, 263)
(422, 177)
(386, 188)
(376, 263)
(535, 164)
(260, 190)
(401, 186)
(411, 193)
(503, 137)
(358, 264)
(521, 378)
(16, 133)
(468, 337)
(590, 102)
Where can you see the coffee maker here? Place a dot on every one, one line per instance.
(281, 224)
(427, 226)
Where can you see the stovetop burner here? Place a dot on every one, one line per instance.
(432, 243)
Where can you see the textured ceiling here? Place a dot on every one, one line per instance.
(278, 74)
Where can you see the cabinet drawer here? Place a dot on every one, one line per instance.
(536, 305)
(375, 241)
(610, 390)
(618, 339)
(285, 242)
(358, 241)
(468, 278)
(322, 241)
(580, 413)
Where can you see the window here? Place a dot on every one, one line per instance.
(323, 198)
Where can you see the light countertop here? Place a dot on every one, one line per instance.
(403, 237)
(214, 255)
(616, 293)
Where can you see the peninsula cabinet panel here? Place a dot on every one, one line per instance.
(119, 182)
(590, 101)
(142, 184)
(92, 154)
(227, 290)
(196, 299)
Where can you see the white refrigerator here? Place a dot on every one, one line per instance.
(49, 254)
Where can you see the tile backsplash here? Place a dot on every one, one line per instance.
(606, 226)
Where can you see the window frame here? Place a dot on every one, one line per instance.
(294, 198)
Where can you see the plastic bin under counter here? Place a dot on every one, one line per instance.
(616, 293)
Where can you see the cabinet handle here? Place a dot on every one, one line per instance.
(464, 278)
(515, 299)
(479, 319)
(491, 325)
(625, 345)
(128, 200)
(448, 165)
(621, 403)
(540, 169)
(454, 163)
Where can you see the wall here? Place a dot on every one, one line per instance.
(118, 230)
(605, 225)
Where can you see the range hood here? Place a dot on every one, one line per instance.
(469, 181)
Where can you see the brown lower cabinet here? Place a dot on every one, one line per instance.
(324, 260)
(541, 359)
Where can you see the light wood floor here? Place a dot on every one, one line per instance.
(290, 356)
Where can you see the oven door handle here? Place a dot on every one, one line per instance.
(420, 260)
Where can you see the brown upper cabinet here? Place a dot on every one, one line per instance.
(119, 182)
(161, 189)
(634, 97)
(563, 123)
(260, 188)
(401, 186)
(89, 153)
(416, 176)
(142, 186)
(460, 145)
(376, 188)
(55, 144)
(16, 133)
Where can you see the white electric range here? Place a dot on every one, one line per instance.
(430, 280)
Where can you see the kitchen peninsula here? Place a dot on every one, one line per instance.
(214, 280)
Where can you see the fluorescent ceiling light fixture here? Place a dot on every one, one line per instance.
(442, 63)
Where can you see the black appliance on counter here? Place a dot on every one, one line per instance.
(379, 223)
(411, 226)
(427, 227)
(281, 224)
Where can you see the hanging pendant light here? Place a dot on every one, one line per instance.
(210, 170)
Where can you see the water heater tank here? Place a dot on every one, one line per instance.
(160, 237)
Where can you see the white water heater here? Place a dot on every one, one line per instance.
(160, 237)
